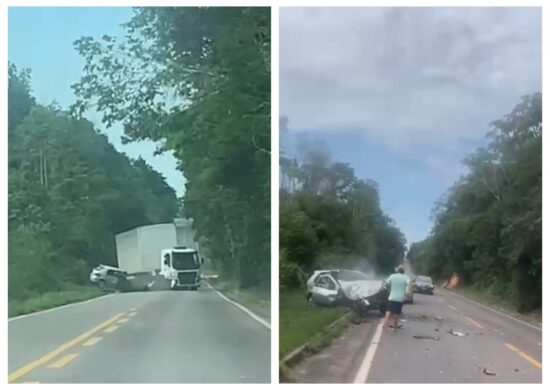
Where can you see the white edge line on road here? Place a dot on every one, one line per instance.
(247, 311)
(490, 308)
(363, 372)
(58, 308)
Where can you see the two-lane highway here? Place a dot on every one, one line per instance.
(152, 337)
(484, 346)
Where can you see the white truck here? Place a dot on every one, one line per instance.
(164, 255)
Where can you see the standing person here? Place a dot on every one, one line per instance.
(397, 283)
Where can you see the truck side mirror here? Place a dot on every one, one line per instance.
(166, 260)
(202, 260)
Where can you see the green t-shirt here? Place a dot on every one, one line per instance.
(398, 287)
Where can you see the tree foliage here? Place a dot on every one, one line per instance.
(70, 192)
(489, 225)
(197, 81)
(330, 218)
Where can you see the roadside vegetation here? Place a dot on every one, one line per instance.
(300, 323)
(69, 193)
(204, 77)
(204, 95)
(50, 300)
(329, 218)
(488, 226)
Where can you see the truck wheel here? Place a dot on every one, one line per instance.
(101, 285)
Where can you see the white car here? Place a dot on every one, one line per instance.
(346, 287)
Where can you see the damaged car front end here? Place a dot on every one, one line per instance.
(347, 288)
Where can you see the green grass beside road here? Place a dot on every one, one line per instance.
(52, 299)
(300, 323)
(257, 300)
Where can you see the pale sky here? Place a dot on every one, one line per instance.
(41, 38)
(404, 94)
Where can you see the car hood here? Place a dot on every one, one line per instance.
(423, 284)
(361, 289)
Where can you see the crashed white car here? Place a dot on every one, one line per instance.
(109, 278)
(348, 288)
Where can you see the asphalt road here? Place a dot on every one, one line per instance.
(492, 342)
(144, 337)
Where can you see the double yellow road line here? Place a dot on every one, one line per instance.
(55, 353)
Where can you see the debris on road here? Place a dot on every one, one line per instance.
(479, 333)
(438, 318)
(435, 338)
(487, 372)
(402, 320)
(459, 334)
(516, 369)
(436, 329)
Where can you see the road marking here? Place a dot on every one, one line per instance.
(363, 372)
(122, 320)
(92, 341)
(534, 362)
(530, 359)
(133, 309)
(111, 329)
(247, 311)
(58, 308)
(490, 308)
(475, 322)
(132, 314)
(452, 307)
(50, 356)
(510, 346)
(63, 361)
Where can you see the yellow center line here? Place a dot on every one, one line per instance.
(510, 346)
(475, 323)
(92, 341)
(64, 361)
(50, 356)
(111, 329)
(530, 359)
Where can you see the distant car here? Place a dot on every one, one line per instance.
(349, 288)
(424, 285)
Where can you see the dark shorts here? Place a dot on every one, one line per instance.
(395, 307)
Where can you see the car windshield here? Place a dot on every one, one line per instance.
(351, 276)
(184, 260)
(424, 279)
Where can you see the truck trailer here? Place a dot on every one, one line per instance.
(157, 256)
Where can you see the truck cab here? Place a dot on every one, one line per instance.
(181, 266)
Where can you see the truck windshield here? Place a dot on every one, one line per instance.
(184, 260)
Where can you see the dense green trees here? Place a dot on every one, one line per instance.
(330, 218)
(489, 225)
(70, 192)
(197, 81)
